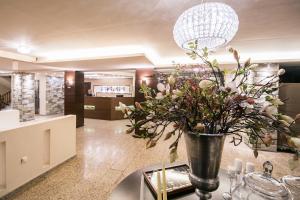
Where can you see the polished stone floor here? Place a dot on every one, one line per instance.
(105, 155)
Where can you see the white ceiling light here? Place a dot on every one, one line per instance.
(210, 24)
(24, 49)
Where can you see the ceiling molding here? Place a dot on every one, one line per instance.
(17, 56)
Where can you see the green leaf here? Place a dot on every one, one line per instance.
(255, 152)
(173, 155)
(151, 144)
(137, 136)
(268, 98)
(169, 135)
(248, 62)
(205, 52)
(215, 63)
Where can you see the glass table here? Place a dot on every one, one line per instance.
(134, 187)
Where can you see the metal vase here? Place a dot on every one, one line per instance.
(204, 155)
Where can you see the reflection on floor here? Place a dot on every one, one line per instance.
(105, 155)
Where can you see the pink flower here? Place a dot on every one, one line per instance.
(250, 100)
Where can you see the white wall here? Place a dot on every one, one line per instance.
(32, 149)
(9, 119)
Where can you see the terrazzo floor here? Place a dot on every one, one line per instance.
(105, 155)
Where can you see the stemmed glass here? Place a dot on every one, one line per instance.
(232, 176)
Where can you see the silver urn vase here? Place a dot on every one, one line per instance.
(204, 155)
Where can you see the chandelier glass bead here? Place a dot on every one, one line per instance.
(211, 24)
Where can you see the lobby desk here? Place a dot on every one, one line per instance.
(104, 107)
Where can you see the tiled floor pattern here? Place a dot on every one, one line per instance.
(105, 155)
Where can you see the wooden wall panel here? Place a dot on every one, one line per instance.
(105, 107)
(74, 95)
(144, 74)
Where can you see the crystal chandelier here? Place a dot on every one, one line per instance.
(211, 25)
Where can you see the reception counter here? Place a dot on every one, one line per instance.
(104, 107)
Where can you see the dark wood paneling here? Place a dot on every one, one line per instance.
(105, 107)
(87, 87)
(141, 74)
(74, 95)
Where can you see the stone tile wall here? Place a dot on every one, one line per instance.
(23, 95)
(54, 95)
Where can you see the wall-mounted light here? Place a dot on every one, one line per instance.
(144, 81)
(69, 82)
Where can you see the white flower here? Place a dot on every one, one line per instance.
(205, 84)
(285, 123)
(296, 141)
(271, 110)
(297, 117)
(280, 72)
(248, 107)
(151, 130)
(122, 107)
(232, 86)
(148, 125)
(159, 96)
(174, 96)
(152, 124)
(177, 92)
(277, 102)
(171, 109)
(199, 126)
(168, 88)
(161, 87)
(265, 104)
(222, 88)
(286, 118)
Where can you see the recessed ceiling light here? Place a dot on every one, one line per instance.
(24, 49)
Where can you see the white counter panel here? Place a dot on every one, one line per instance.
(30, 150)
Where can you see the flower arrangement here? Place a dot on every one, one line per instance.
(201, 100)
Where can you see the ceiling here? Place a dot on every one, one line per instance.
(105, 34)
